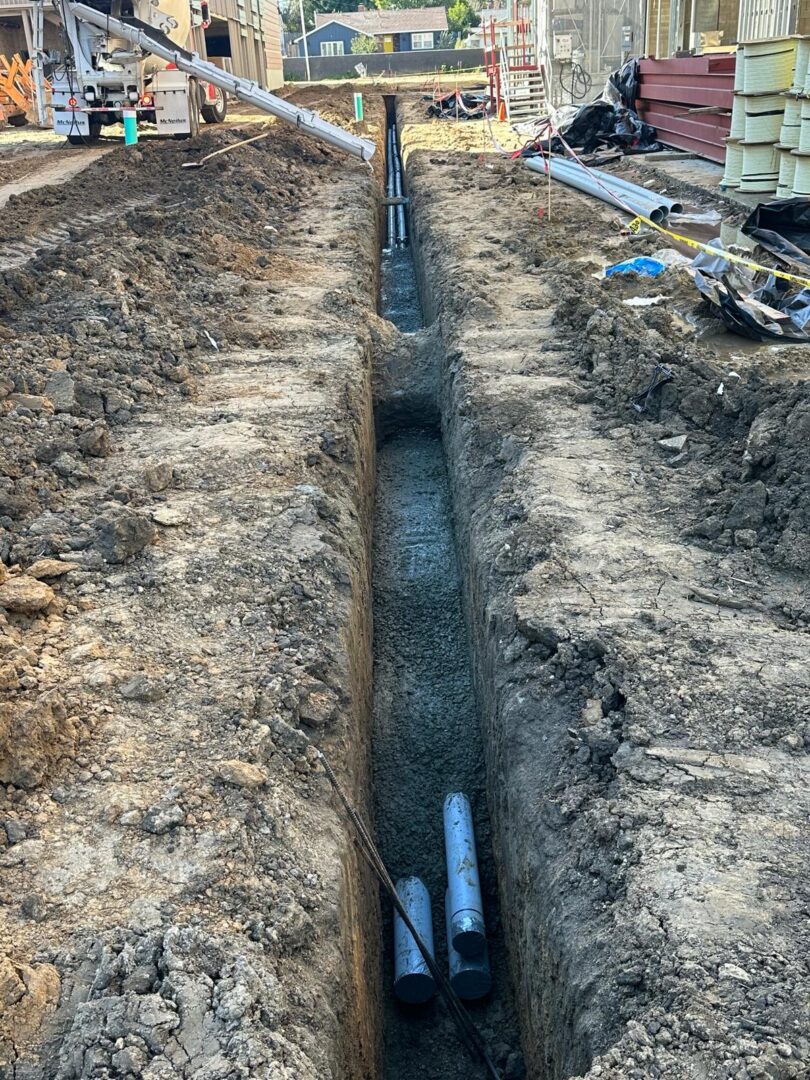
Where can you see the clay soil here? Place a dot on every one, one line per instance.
(191, 361)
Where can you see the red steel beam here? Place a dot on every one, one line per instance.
(703, 93)
(677, 128)
(689, 65)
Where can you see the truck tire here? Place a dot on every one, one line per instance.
(214, 112)
(17, 120)
(85, 140)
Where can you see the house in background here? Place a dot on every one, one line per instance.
(394, 30)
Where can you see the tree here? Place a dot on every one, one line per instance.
(461, 17)
(363, 43)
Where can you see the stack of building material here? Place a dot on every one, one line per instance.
(733, 169)
(768, 68)
(768, 149)
(795, 156)
(688, 101)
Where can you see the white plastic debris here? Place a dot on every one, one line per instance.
(645, 301)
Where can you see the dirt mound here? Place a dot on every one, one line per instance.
(745, 433)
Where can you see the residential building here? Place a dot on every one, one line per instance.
(394, 30)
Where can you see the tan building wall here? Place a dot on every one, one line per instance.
(254, 33)
(710, 15)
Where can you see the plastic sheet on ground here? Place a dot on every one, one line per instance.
(641, 265)
(758, 306)
(459, 105)
(783, 228)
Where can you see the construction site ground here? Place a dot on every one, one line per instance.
(198, 381)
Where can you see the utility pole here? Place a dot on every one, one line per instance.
(304, 39)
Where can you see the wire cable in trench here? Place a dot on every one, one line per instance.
(468, 1032)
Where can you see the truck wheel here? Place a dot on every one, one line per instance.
(17, 120)
(213, 112)
(85, 140)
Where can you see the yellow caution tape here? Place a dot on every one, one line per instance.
(637, 222)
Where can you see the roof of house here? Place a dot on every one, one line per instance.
(389, 21)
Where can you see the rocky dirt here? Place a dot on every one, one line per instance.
(636, 592)
(186, 455)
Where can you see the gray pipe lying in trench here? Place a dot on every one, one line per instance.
(639, 197)
(391, 237)
(638, 203)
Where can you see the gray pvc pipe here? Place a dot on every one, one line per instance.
(470, 976)
(672, 205)
(389, 190)
(640, 197)
(466, 911)
(619, 183)
(413, 982)
(582, 182)
(623, 190)
(402, 231)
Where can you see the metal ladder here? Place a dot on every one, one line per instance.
(525, 93)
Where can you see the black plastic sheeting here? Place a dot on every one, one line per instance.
(783, 228)
(622, 85)
(459, 106)
(600, 125)
(609, 122)
(769, 309)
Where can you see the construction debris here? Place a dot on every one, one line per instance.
(755, 305)
(459, 105)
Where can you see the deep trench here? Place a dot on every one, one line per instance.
(426, 734)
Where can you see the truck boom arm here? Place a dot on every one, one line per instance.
(152, 40)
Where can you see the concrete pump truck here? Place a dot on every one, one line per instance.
(100, 73)
(134, 54)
